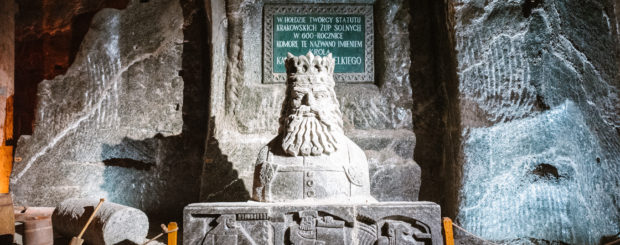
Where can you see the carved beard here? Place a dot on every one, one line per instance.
(311, 132)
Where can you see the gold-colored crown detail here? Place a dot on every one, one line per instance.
(309, 65)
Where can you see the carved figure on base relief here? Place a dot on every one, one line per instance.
(311, 158)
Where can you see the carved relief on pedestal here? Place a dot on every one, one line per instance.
(226, 231)
(312, 227)
(395, 232)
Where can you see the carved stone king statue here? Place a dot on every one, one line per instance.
(311, 158)
(312, 182)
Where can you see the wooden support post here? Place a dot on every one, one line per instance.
(172, 236)
(7, 80)
(447, 229)
(6, 164)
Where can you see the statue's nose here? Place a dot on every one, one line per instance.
(309, 99)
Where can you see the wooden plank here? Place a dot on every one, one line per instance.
(6, 164)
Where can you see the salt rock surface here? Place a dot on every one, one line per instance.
(539, 111)
(96, 126)
(541, 178)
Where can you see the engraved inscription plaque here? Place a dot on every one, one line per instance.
(345, 31)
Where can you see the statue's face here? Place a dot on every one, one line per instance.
(312, 99)
(313, 120)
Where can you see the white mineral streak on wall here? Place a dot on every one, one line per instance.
(491, 64)
(495, 75)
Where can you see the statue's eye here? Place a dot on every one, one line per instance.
(299, 95)
(320, 95)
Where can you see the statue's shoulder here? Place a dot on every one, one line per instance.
(262, 154)
(354, 150)
(268, 150)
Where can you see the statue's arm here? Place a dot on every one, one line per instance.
(360, 162)
(262, 155)
(258, 189)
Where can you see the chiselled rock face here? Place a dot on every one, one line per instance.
(311, 158)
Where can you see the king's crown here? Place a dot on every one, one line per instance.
(309, 65)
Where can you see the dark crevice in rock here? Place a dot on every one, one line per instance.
(546, 171)
(435, 110)
(128, 163)
(546, 242)
(137, 150)
(540, 103)
(428, 103)
(610, 239)
(533, 241)
(528, 5)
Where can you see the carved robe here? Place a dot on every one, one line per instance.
(341, 175)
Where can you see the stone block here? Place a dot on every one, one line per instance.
(302, 223)
(113, 223)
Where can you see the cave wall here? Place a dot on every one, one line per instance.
(48, 35)
(510, 108)
(117, 123)
(244, 111)
(540, 116)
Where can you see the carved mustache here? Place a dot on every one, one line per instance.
(306, 111)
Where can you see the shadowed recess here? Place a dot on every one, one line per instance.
(436, 114)
(546, 171)
(528, 5)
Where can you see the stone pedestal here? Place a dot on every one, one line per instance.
(390, 223)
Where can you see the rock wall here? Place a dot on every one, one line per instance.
(117, 124)
(48, 35)
(244, 111)
(512, 108)
(540, 115)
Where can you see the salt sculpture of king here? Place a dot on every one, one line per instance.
(311, 158)
(312, 182)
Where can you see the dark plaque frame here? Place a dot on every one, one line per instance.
(271, 9)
